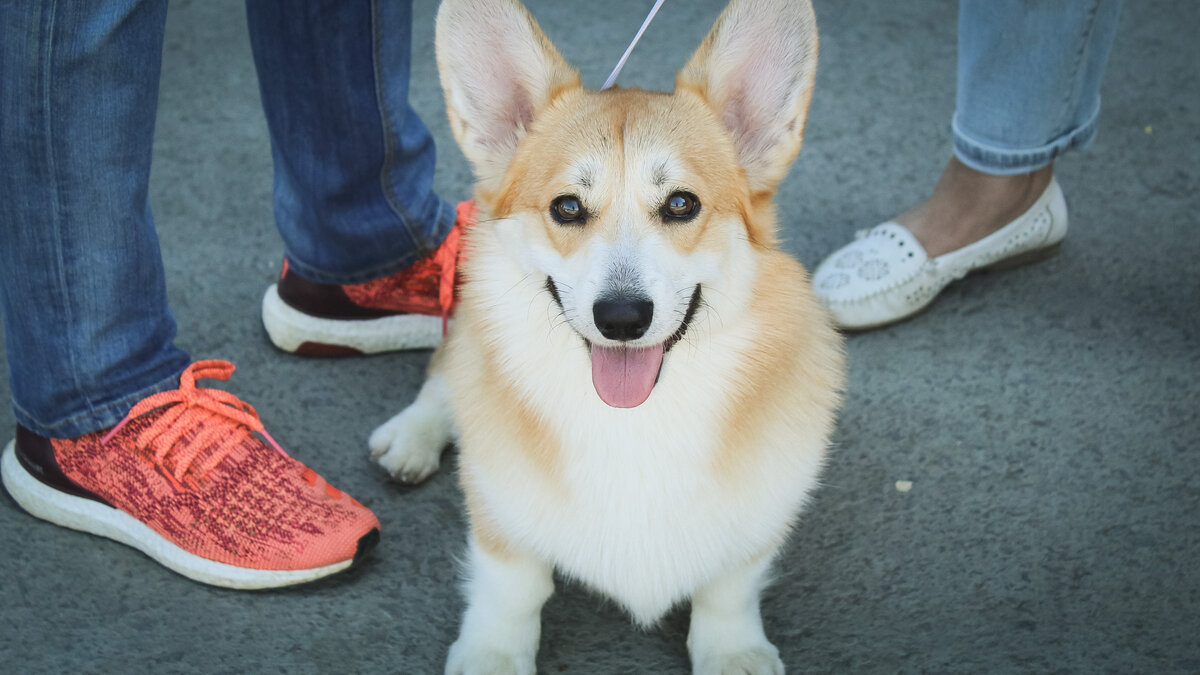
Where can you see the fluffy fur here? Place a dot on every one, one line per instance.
(691, 493)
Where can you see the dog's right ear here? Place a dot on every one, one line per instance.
(756, 69)
(498, 71)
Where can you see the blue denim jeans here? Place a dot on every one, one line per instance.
(87, 328)
(1029, 74)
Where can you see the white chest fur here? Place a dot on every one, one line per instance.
(639, 503)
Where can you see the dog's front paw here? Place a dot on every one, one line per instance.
(467, 659)
(757, 660)
(409, 446)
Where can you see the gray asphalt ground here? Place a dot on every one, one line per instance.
(1047, 417)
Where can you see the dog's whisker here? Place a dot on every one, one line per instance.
(713, 290)
(518, 283)
(709, 311)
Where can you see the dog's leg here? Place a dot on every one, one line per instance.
(505, 592)
(726, 635)
(410, 444)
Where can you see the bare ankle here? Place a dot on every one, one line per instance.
(967, 205)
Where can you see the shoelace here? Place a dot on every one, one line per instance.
(223, 421)
(446, 257)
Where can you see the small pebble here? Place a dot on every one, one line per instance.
(903, 485)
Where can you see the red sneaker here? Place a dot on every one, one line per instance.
(184, 479)
(407, 310)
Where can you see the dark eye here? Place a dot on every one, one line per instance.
(567, 210)
(681, 206)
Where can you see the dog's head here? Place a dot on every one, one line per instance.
(636, 208)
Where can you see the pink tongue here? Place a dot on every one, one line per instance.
(624, 376)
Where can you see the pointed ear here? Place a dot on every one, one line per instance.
(756, 69)
(498, 71)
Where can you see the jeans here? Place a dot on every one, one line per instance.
(1029, 74)
(82, 294)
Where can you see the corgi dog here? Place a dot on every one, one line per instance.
(641, 385)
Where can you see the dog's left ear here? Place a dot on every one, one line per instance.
(756, 69)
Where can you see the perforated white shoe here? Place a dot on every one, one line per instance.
(884, 275)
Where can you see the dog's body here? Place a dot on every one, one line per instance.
(643, 387)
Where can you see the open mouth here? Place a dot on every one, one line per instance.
(625, 376)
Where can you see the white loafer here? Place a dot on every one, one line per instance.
(884, 275)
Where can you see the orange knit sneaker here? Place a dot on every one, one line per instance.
(407, 310)
(184, 479)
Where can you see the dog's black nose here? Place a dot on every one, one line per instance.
(623, 319)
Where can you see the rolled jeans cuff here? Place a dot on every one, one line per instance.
(93, 419)
(1005, 161)
(439, 211)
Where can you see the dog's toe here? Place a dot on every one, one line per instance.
(381, 440)
(409, 463)
(467, 661)
(756, 661)
(409, 446)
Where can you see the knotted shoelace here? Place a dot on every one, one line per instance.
(446, 257)
(221, 422)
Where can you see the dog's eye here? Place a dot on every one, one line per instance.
(567, 210)
(681, 206)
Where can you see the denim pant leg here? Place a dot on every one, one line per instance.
(354, 163)
(82, 294)
(1029, 74)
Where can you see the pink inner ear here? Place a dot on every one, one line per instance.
(757, 108)
(507, 127)
(740, 118)
(501, 99)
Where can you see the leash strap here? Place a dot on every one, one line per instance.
(621, 64)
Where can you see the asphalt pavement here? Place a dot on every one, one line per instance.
(1046, 421)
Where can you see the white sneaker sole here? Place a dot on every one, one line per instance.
(294, 331)
(86, 515)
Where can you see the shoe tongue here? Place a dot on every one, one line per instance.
(624, 376)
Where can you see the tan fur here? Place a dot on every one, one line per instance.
(492, 406)
(581, 123)
(794, 339)
(484, 530)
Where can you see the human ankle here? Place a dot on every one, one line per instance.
(968, 205)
